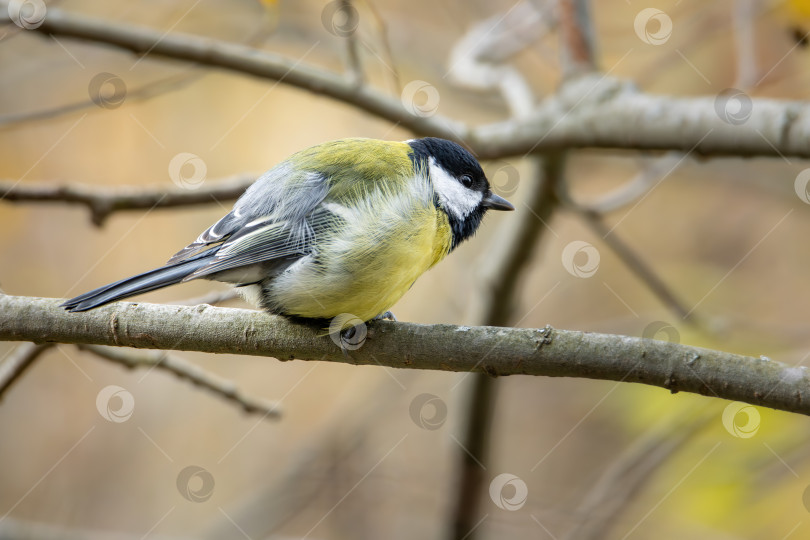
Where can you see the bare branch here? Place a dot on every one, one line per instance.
(104, 201)
(479, 59)
(620, 482)
(593, 111)
(188, 371)
(651, 174)
(637, 265)
(484, 349)
(576, 34)
(20, 360)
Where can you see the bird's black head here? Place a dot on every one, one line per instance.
(460, 186)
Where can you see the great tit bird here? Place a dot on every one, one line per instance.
(344, 227)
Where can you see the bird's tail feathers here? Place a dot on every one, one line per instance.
(131, 286)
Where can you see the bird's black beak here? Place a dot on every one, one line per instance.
(496, 203)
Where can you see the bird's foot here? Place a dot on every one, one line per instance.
(387, 316)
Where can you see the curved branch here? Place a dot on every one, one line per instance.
(103, 201)
(492, 350)
(593, 111)
(243, 59)
(20, 360)
(183, 369)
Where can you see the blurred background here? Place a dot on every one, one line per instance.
(371, 452)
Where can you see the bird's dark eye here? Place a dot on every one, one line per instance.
(466, 181)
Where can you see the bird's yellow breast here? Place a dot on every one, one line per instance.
(369, 260)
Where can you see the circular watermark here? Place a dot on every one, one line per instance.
(107, 90)
(731, 419)
(662, 331)
(806, 498)
(508, 492)
(801, 185)
(27, 14)
(348, 331)
(428, 411)
(115, 404)
(187, 170)
(420, 98)
(580, 259)
(340, 18)
(195, 484)
(733, 106)
(504, 179)
(653, 26)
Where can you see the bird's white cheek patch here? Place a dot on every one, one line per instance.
(454, 197)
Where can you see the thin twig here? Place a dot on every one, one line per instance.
(212, 299)
(188, 371)
(355, 66)
(626, 476)
(104, 201)
(637, 265)
(18, 362)
(641, 183)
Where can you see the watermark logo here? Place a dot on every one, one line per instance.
(428, 411)
(580, 259)
(187, 170)
(27, 14)
(115, 404)
(653, 26)
(504, 179)
(508, 492)
(107, 90)
(733, 106)
(340, 18)
(195, 484)
(741, 419)
(348, 331)
(662, 331)
(420, 98)
(801, 186)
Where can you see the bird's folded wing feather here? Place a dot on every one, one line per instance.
(274, 209)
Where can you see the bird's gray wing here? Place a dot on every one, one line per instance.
(271, 217)
(266, 241)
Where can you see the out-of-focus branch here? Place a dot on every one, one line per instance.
(745, 12)
(591, 111)
(621, 481)
(576, 33)
(637, 265)
(212, 298)
(104, 201)
(492, 350)
(12, 368)
(16, 529)
(636, 187)
(501, 279)
(188, 371)
(479, 59)
(162, 86)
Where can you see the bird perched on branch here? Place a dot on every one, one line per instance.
(341, 229)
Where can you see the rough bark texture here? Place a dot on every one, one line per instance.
(492, 350)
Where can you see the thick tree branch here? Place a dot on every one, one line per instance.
(103, 201)
(594, 111)
(492, 350)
